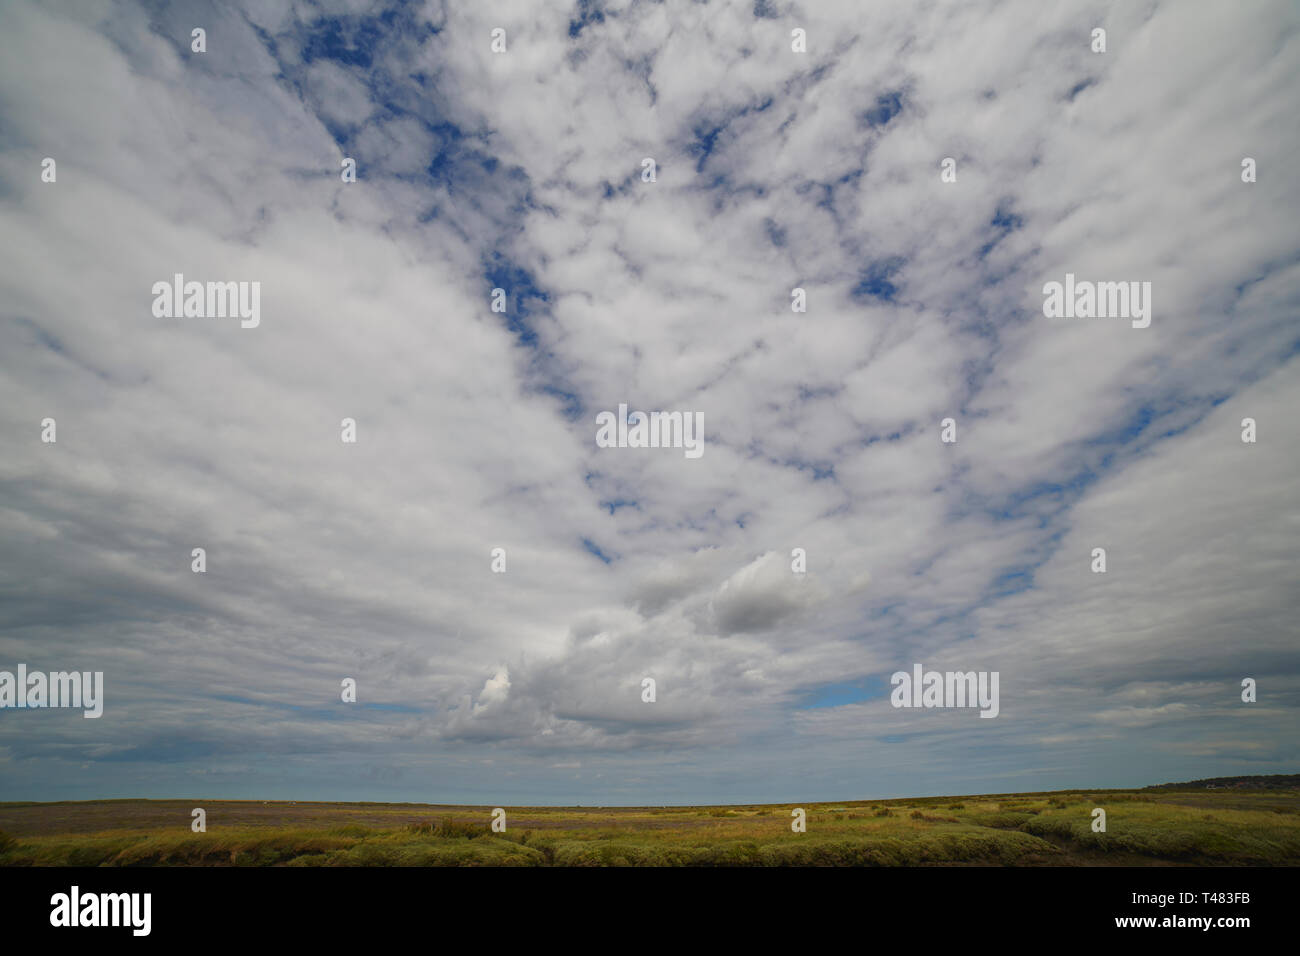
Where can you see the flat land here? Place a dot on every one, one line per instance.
(1163, 827)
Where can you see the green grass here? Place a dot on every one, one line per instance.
(1165, 827)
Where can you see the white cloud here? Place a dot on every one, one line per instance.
(373, 560)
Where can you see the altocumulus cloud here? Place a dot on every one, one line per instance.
(775, 170)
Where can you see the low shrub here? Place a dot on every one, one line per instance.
(448, 827)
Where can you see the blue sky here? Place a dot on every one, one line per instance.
(522, 170)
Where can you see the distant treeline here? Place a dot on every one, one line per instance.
(1275, 781)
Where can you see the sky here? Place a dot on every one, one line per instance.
(775, 169)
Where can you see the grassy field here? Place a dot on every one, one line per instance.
(1144, 828)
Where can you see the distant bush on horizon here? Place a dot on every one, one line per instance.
(1274, 781)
